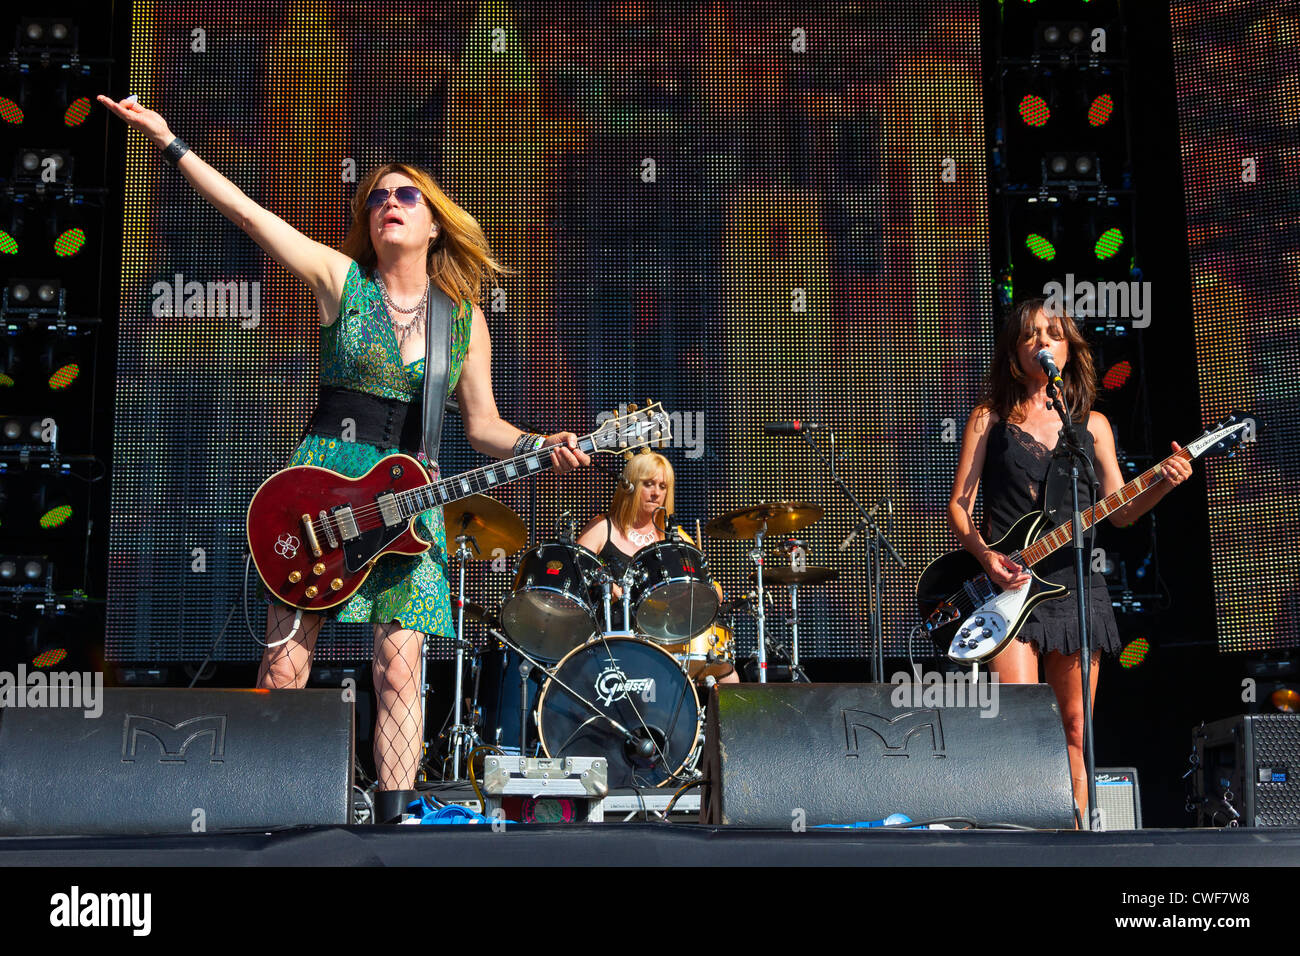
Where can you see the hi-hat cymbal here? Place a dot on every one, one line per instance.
(781, 517)
(491, 524)
(809, 575)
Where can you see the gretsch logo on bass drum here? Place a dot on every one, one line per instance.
(612, 684)
(286, 546)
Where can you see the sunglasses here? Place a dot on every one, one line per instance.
(408, 196)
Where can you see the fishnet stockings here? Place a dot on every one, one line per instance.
(399, 724)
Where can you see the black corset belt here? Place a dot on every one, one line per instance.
(367, 419)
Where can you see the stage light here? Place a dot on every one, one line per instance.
(69, 242)
(1135, 653)
(33, 299)
(1117, 375)
(20, 429)
(46, 35)
(10, 111)
(1034, 111)
(1285, 699)
(1108, 243)
(1040, 247)
(64, 369)
(8, 244)
(23, 569)
(32, 167)
(76, 112)
(1099, 112)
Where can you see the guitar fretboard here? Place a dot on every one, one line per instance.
(481, 480)
(1060, 536)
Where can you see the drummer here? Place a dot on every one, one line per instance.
(644, 491)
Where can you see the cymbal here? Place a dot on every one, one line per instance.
(491, 524)
(782, 517)
(476, 612)
(809, 575)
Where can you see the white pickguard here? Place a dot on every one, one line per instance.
(981, 632)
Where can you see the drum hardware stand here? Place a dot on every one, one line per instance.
(876, 542)
(760, 612)
(460, 733)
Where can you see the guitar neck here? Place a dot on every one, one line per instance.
(1060, 536)
(484, 479)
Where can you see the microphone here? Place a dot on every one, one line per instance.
(852, 536)
(1049, 367)
(791, 428)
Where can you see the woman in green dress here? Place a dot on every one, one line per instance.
(407, 239)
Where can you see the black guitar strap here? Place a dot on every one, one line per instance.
(437, 370)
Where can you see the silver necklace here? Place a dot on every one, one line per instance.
(403, 332)
(641, 540)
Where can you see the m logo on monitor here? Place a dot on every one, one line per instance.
(893, 733)
(174, 740)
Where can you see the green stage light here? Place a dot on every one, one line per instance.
(70, 242)
(1040, 247)
(8, 244)
(1100, 110)
(1108, 243)
(64, 376)
(1135, 653)
(77, 111)
(10, 111)
(56, 517)
(1034, 111)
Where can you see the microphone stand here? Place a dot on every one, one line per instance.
(1074, 448)
(876, 542)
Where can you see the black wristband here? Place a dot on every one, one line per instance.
(175, 150)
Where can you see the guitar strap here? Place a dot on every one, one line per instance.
(437, 370)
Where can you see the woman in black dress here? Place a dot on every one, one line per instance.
(1008, 446)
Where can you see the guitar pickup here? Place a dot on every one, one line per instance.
(309, 533)
(329, 531)
(347, 522)
(389, 512)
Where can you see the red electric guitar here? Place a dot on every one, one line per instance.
(315, 534)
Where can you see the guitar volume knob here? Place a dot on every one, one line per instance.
(311, 591)
(336, 584)
(318, 568)
(295, 577)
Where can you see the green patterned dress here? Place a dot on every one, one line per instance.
(360, 352)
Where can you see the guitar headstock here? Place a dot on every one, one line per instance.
(632, 429)
(1225, 435)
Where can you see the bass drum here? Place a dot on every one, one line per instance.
(639, 686)
(553, 606)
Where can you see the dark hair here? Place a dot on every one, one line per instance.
(1004, 387)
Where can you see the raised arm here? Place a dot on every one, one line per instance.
(322, 268)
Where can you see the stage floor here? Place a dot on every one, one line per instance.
(664, 844)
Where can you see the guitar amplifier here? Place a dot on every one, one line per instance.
(1246, 771)
(1118, 798)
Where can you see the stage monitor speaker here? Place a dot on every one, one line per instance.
(783, 755)
(1246, 771)
(162, 760)
(1118, 798)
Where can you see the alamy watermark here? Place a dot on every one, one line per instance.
(240, 299)
(687, 429)
(1100, 300)
(935, 689)
(74, 690)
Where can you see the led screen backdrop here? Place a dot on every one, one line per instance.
(749, 212)
(1238, 90)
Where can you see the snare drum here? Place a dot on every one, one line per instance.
(711, 653)
(672, 594)
(554, 605)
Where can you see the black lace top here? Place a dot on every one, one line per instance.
(1019, 475)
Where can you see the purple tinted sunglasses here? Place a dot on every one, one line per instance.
(408, 196)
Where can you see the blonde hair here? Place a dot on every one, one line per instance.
(622, 511)
(459, 258)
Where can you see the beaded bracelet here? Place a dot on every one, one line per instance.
(527, 442)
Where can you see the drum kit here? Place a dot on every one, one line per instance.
(562, 680)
